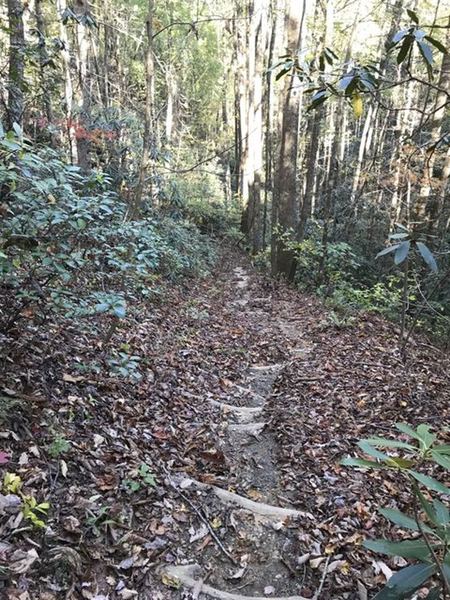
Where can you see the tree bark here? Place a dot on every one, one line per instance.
(314, 126)
(81, 10)
(136, 205)
(268, 134)
(286, 192)
(43, 60)
(255, 140)
(16, 71)
(61, 6)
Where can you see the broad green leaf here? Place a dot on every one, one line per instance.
(437, 44)
(442, 512)
(430, 483)
(402, 252)
(441, 459)
(318, 99)
(405, 428)
(333, 54)
(426, 52)
(387, 250)
(283, 72)
(413, 16)
(443, 449)
(402, 520)
(344, 82)
(318, 95)
(446, 568)
(17, 129)
(403, 583)
(427, 55)
(398, 236)
(407, 549)
(9, 144)
(399, 36)
(434, 593)
(360, 462)
(405, 48)
(102, 307)
(386, 443)
(419, 34)
(368, 81)
(352, 86)
(120, 311)
(427, 508)
(427, 256)
(400, 463)
(425, 436)
(371, 451)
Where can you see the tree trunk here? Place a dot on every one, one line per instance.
(16, 63)
(255, 141)
(171, 85)
(61, 6)
(242, 102)
(268, 150)
(83, 92)
(43, 60)
(136, 206)
(314, 126)
(285, 192)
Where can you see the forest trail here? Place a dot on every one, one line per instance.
(173, 419)
(283, 519)
(250, 449)
(217, 474)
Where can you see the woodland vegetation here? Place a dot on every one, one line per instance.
(149, 148)
(325, 126)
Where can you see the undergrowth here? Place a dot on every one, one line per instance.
(68, 251)
(349, 280)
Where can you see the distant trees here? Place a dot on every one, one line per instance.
(338, 164)
(316, 146)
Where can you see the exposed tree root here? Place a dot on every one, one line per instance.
(259, 508)
(186, 576)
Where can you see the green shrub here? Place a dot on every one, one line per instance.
(349, 280)
(429, 518)
(67, 247)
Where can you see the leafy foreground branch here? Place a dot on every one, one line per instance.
(431, 516)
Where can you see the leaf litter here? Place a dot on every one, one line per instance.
(112, 522)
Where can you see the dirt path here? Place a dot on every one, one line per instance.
(295, 527)
(262, 520)
(249, 396)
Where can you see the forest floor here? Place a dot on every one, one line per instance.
(224, 455)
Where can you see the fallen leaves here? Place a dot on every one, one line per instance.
(108, 535)
(17, 561)
(73, 378)
(363, 388)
